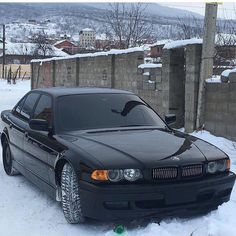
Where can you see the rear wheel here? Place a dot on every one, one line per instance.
(7, 160)
(71, 203)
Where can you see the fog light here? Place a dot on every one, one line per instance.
(132, 174)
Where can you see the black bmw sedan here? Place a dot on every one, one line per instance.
(105, 154)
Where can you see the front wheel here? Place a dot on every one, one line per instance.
(7, 160)
(71, 203)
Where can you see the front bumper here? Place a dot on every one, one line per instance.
(127, 202)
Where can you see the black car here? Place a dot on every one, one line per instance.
(105, 154)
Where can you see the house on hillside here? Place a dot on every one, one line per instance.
(66, 46)
(156, 49)
(23, 53)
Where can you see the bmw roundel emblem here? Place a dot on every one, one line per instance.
(175, 158)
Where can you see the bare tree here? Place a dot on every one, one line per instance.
(190, 27)
(128, 24)
(225, 52)
(43, 47)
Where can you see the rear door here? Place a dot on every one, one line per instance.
(18, 121)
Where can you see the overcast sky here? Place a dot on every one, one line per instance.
(225, 10)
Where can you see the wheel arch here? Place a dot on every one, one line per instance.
(4, 136)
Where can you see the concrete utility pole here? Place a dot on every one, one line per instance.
(208, 49)
(3, 53)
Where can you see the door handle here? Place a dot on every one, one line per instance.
(26, 135)
(10, 126)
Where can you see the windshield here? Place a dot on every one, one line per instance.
(97, 111)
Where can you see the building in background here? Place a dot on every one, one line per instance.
(156, 50)
(67, 46)
(87, 38)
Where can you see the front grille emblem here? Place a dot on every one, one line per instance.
(175, 158)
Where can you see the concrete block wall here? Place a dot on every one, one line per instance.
(126, 71)
(113, 71)
(220, 109)
(43, 74)
(65, 72)
(173, 80)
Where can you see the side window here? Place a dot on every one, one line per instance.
(43, 109)
(28, 106)
(16, 110)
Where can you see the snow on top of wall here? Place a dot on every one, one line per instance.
(182, 43)
(149, 65)
(161, 42)
(146, 73)
(226, 73)
(214, 79)
(111, 52)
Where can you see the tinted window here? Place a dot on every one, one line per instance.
(93, 111)
(28, 106)
(43, 109)
(18, 107)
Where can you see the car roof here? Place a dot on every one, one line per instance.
(62, 91)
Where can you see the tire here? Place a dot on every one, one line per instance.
(71, 204)
(7, 160)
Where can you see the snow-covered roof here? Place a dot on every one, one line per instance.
(111, 52)
(30, 48)
(149, 65)
(182, 43)
(61, 41)
(87, 29)
(161, 42)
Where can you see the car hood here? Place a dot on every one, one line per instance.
(145, 148)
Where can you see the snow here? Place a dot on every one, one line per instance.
(182, 43)
(88, 30)
(63, 40)
(25, 210)
(29, 49)
(111, 52)
(146, 73)
(226, 73)
(214, 79)
(149, 66)
(161, 42)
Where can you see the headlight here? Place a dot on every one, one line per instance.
(117, 175)
(132, 174)
(218, 166)
(212, 167)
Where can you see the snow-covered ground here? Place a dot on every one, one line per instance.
(25, 210)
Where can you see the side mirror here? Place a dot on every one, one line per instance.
(170, 119)
(38, 124)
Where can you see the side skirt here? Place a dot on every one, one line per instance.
(47, 188)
